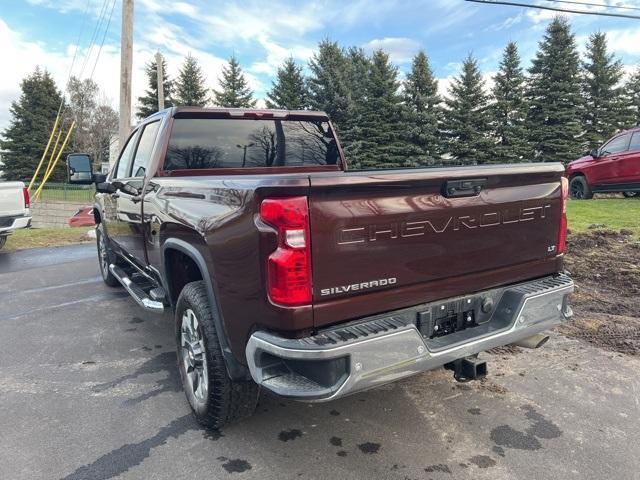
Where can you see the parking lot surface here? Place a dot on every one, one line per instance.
(89, 389)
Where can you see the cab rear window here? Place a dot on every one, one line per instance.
(198, 143)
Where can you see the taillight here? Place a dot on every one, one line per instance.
(562, 234)
(27, 198)
(289, 267)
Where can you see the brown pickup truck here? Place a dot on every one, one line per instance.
(283, 270)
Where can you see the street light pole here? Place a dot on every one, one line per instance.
(244, 152)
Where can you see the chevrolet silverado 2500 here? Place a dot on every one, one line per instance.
(14, 209)
(285, 271)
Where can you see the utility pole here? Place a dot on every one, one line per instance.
(126, 67)
(159, 68)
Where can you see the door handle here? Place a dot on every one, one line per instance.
(463, 188)
(115, 195)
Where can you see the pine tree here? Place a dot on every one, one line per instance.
(32, 118)
(555, 112)
(148, 103)
(381, 123)
(604, 98)
(357, 74)
(632, 90)
(190, 86)
(328, 83)
(509, 109)
(466, 119)
(423, 113)
(234, 90)
(289, 90)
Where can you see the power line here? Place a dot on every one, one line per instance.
(94, 36)
(104, 36)
(616, 7)
(563, 10)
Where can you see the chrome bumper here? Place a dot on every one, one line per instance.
(371, 352)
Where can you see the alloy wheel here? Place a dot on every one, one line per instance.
(194, 359)
(102, 253)
(577, 190)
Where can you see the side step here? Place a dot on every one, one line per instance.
(138, 294)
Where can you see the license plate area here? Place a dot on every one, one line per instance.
(445, 318)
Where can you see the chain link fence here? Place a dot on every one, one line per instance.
(65, 192)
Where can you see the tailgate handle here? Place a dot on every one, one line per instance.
(463, 188)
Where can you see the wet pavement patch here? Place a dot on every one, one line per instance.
(474, 411)
(540, 427)
(342, 453)
(287, 435)
(162, 363)
(369, 447)
(335, 413)
(236, 466)
(483, 461)
(120, 460)
(506, 436)
(498, 450)
(439, 467)
(336, 441)
(136, 320)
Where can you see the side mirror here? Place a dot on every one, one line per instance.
(594, 153)
(79, 169)
(99, 178)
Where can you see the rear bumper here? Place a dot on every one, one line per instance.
(381, 349)
(8, 224)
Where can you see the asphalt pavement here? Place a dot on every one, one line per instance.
(89, 389)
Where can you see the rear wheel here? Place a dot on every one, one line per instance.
(579, 188)
(631, 194)
(3, 240)
(105, 257)
(216, 400)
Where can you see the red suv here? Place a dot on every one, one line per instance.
(614, 167)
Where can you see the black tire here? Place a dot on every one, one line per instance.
(631, 194)
(3, 240)
(579, 188)
(102, 244)
(225, 400)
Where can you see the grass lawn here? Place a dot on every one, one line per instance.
(604, 213)
(46, 237)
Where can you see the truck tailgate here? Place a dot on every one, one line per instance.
(11, 199)
(389, 239)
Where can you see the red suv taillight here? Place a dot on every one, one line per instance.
(289, 267)
(562, 234)
(27, 198)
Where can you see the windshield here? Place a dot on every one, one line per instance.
(197, 143)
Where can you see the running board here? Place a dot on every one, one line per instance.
(135, 291)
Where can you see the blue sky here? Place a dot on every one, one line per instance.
(263, 34)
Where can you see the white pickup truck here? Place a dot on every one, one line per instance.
(14, 209)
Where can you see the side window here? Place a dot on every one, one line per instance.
(635, 141)
(145, 147)
(122, 170)
(617, 145)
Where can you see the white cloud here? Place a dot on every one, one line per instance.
(625, 41)
(400, 49)
(21, 57)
